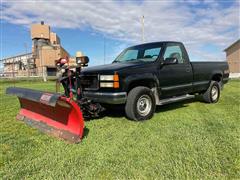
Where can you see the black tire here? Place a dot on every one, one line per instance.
(138, 106)
(209, 96)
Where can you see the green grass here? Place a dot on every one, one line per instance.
(185, 140)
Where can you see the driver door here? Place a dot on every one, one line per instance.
(175, 79)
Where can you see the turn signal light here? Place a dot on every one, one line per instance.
(116, 80)
(115, 77)
(115, 84)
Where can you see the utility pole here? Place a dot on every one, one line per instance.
(143, 38)
(42, 66)
(104, 50)
(13, 69)
(25, 45)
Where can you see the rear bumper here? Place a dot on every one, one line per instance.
(106, 97)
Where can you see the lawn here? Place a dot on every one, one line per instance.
(185, 140)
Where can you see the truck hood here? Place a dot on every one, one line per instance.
(109, 68)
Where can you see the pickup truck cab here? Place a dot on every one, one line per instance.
(151, 74)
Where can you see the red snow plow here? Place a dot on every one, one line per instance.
(54, 113)
(50, 113)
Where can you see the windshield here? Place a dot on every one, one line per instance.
(139, 53)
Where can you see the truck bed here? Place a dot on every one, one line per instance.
(203, 71)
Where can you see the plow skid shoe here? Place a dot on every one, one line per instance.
(50, 113)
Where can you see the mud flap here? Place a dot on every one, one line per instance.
(51, 113)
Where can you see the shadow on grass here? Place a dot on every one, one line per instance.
(117, 111)
(85, 132)
(114, 111)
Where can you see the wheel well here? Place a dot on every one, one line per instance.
(217, 77)
(146, 83)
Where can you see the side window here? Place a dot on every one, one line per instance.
(152, 53)
(174, 51)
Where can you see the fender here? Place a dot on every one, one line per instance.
(141, 77)
(215, 72)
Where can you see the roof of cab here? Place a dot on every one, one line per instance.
(155, 43)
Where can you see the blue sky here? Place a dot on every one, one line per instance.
(206, 27)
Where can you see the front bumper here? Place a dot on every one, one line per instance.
(106, 97)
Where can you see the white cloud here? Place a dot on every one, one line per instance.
(182, 21)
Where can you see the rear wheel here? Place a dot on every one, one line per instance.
(213, 93)
(140, 104)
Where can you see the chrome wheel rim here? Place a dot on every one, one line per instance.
(144, 105)
(214, 93)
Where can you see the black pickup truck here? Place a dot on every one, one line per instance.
(151, 74)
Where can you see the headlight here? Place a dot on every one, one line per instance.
(106, 84)
(106, 77)
(114, 81)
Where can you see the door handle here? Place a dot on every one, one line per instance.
(188, 69)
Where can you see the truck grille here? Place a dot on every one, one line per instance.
(89, 82)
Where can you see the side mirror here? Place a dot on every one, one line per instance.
(168, 61)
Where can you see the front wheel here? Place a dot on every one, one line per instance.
(213, 93)
(140, 104)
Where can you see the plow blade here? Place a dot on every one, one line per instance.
(50, 113)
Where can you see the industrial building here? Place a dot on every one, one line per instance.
(20, 65)
(46, 48)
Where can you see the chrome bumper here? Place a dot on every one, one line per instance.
(106, 97)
